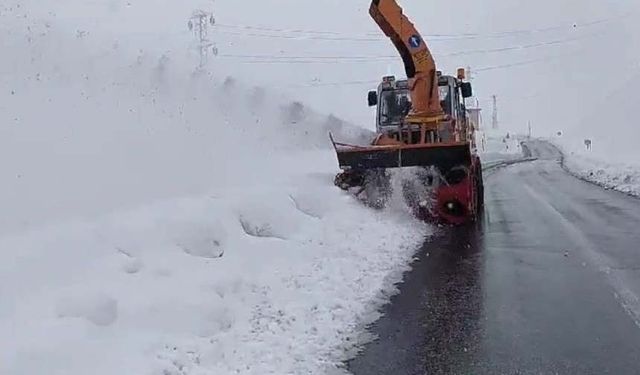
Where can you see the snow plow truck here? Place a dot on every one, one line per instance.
(421, 124)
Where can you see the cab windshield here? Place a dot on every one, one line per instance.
(394, 107)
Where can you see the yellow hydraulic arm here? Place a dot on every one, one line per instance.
(418, 61)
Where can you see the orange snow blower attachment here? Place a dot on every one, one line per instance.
(353, 157)
(421, 121)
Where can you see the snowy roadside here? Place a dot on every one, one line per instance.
(269, 280)
(262, 267)
(616, 176)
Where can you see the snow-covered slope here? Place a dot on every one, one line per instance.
(617, 176)
(98, 124)
(161, 221)
(612, 128)
(607, 169)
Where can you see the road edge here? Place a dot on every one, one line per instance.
(495, 165)
(584, 178)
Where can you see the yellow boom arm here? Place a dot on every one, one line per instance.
(418, 61)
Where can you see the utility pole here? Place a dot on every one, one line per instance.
(199, 24)
(494, 124)
(530, 129)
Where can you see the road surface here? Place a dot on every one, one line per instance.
(547, 284)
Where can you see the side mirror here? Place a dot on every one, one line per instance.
(466, 89)
(373, 98)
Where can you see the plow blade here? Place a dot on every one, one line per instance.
(442, 156)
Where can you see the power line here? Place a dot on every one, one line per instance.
(523, 47)
(481, 69)
(305, 37)
(510, 98)
(286, 57)
(315, 61)
(273, 59)
(290, 59)
(344, 83)
(299, 34)
(279, 30)
(520, 63)
(573, 26)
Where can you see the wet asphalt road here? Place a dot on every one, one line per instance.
(548, 283)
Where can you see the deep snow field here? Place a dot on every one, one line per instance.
(158, 220)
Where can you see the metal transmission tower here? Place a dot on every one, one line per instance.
(199, 24)
(494, 123)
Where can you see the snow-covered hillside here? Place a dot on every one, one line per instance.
(604, 148)
(602, 165)
(99, 123)
(618, 176)
(158, 220)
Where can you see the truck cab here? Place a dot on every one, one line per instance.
(393, 100)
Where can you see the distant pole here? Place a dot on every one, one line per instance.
(495, 113)
(530, 129)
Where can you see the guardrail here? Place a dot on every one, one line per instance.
(505, 163)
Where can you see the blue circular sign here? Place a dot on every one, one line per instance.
(415, 41)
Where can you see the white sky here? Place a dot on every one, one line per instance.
(575, 68)
(575, 52)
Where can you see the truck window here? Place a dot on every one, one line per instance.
(446, 100)
(394, 107)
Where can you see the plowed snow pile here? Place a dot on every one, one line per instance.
(159, 221)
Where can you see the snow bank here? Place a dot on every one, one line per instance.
(612, 158)
(624, 177)
(184, 287)
(164, 221)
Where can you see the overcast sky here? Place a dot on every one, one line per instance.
(574, 52)
(329, 53)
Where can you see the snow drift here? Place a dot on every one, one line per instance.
(602, 170)
(612, 160)
(159, 220)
